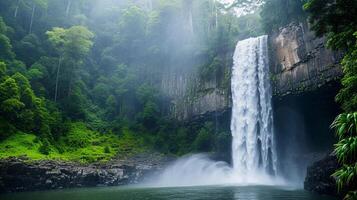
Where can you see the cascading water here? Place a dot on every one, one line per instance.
(252, 120)
(253, 152)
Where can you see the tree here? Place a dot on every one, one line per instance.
(278, 13)
(204, 139)
(72, 45)
(347, 96)
(35, 4)
(10, 104)
(29, 49)
(336, 19)
(2, 70)
(130, 35)
(5, 45)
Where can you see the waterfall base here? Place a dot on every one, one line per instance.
(199, 169)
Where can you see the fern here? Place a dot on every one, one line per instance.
(345, 176)
(345, 125)
(346, 150)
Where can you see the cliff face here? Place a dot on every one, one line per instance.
(305, 80)
(300, 61)
(190, 96)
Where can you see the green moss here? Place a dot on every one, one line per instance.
(80, 144)
(21, 144)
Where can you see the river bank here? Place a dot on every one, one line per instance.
(22, 174)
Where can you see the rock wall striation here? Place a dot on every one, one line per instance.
(300, 61)
(191, 96)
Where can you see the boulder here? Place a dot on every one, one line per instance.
(319, 176)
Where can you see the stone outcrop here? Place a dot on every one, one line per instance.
(300, 61)
(318, 178)
(20, 174)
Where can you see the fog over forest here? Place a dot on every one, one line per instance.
(178, 99)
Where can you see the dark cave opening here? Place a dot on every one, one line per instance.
(302, 129)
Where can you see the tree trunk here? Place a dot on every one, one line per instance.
(215, 104)
(71, 76)
(148, 5)
(17, 8)
(68, 7)
(215, 6)
(57, 77)
(32, 16)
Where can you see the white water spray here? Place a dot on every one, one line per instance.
(253, 151)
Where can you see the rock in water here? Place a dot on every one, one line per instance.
(318, 177)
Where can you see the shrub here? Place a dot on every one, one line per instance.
(106, 149)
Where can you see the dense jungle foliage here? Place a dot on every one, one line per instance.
(80, 79)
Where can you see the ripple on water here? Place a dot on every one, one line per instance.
(173, 193)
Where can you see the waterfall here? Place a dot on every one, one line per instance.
(253, 147)
(253, 151)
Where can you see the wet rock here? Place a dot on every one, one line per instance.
(318, 178)
(17, 174)
(300, 61)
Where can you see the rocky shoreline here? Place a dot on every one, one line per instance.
(21, 174)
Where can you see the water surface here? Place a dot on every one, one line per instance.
(178, 193)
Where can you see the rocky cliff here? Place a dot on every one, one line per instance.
(300, 61)
(191, 96)
(305, 80)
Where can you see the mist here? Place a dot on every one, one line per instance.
(172, 98)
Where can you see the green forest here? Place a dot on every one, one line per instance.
(83, 84)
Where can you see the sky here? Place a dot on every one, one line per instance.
(226, 1)
(238, 11)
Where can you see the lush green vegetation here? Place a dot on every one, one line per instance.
(278, 13)
(81, 80)
(79, 144)
(337, 20)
